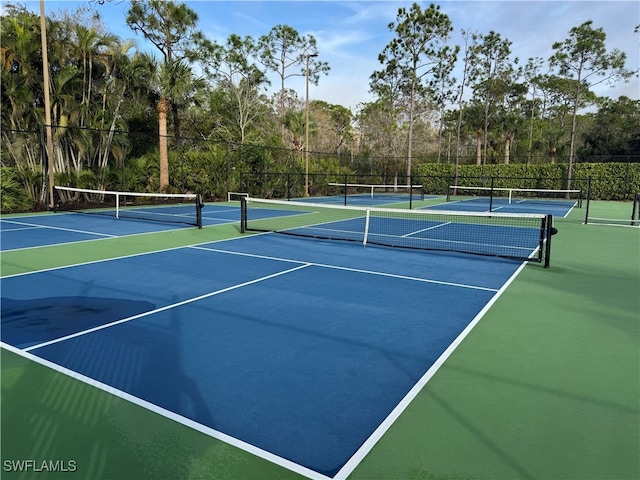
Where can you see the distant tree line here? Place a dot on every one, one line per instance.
(208, 94)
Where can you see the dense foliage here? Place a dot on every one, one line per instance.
(604, 181)
(198, 116)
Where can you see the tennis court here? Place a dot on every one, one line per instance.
(559, 203)
(361, 194)
(211, 348)
(304, 353)
(19, 232)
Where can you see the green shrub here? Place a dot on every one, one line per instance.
(15, 198)
(608, 181)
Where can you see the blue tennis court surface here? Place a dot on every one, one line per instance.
(294, 349)
(364, 199)
(557, 208)
(57, 228)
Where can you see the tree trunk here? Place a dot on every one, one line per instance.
(478, 146)
(163, 110)
(507, 149)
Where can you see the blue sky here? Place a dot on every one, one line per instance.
(351, 34)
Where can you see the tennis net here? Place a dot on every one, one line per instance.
(512, 196)
(515, 236)
(398, 193)
(157, 207)
(619, 220)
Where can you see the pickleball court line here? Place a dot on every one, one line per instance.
(73, 242)
(161, 309)
(211, 432)
(49, 227)
(101, 260)
(410, 234)
(370, 442)
(20, 229)
(348, 269)
(348, 468)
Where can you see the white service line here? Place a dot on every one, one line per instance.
(349, 269)
(166, 307)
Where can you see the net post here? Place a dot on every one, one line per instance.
(586, 213)
(117, 205)
(199, 206)
(548, 234)
(345, 189)
(243, 214)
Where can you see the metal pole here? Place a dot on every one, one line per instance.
(306, 131)
(47, 102)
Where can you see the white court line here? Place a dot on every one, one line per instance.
(48, 227)
(349, 269)
(91, 262)
(161, 309)
(247, 447)
(366, 447)
(222, 210)
(410, 234)
(354, 461)
(219, 219)
(20, 229)
(73, 242)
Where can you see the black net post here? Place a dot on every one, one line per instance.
(586, 213)
(199, 206)
(243, 214)
(549, 231)
(635, 214)
(346, 179)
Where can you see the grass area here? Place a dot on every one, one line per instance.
(546, 385)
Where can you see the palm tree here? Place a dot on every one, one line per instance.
(92, 49)
(294, 121)
(174, 86)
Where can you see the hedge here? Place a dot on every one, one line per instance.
(609, 181)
